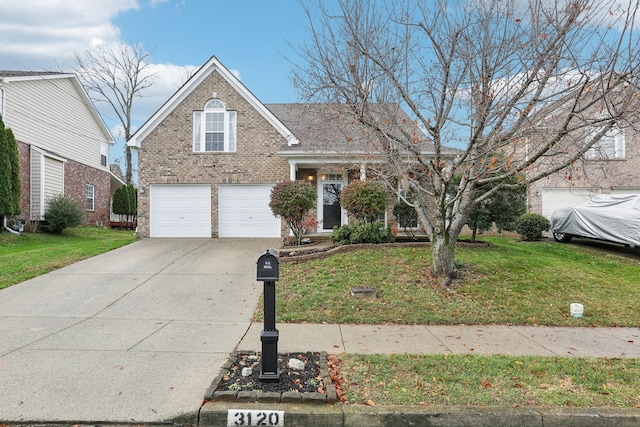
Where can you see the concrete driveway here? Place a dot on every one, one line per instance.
(133, 335)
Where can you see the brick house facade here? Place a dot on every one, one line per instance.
(167, 157)
(610, 167)
(210, 155)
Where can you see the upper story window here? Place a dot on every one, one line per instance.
(610, 146)
(214, 128)
(104, 154)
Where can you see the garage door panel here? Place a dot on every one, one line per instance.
(244, 212)
(556, 198)
(180, 210)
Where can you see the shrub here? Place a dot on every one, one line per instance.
(531, 225)
(362, 233)
(292, 200)
(62, 212)
(364, 200)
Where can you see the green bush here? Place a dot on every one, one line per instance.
(531, 225)
(291, 200)
(62, 212)
(362, 233)
(364, 200)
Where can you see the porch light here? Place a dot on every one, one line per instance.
(310, 178)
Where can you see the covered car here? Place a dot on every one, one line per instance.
(615, 218)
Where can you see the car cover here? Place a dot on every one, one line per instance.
(606, 217)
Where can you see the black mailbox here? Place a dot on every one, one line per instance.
(268, 266)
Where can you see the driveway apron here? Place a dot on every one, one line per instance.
(133, 335)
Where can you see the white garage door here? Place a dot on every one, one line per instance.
(243, 211)
(556, 198)
(632, 190)
(180, 210)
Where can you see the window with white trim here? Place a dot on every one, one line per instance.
(104, 154)
(610, 146)
(90, 190)
(410, 222)
(214, 128)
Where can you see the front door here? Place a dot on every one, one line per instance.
(331, 210)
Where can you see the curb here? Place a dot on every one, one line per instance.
(338, 415)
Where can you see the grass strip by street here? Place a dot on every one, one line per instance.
(512, 282)
(32, 254)
(496, 380)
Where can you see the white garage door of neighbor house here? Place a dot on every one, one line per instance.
(556, 198)
(180, 210)
(243, 211)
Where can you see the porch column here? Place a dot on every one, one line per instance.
(292, 170)
(363, 172)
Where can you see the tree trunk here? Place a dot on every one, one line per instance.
(443, 256)
(128, 172)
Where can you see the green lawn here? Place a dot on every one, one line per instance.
(32, 254)
(496, 380)
(512, 282)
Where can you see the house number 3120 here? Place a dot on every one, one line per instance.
(237, 417)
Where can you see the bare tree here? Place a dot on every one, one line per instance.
(116, 75)
(523, 88)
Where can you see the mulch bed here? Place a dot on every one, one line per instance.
(317, 382)
(316, 251)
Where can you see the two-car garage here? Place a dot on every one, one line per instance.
(186, 210)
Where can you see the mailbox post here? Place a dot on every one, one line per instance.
(269, 273)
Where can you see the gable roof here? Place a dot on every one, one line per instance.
(213, 65)
(7, 76)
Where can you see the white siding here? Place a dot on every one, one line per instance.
(53, 179)
(36, 196)
(51, 114)
(47, 181)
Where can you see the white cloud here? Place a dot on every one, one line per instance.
(37, 34)
(167, 79)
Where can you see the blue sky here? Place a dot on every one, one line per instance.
(255, 39)
(252, 37)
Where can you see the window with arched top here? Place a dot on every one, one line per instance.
(214, 128)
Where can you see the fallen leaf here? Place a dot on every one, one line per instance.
(370, 403)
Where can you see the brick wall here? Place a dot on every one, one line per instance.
(24, 155)
(76, 176)
(601, 175)
(166, 155)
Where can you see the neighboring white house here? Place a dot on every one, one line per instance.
(63, 143)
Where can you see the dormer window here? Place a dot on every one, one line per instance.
(214, 128)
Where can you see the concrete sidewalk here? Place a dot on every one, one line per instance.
(473, 339)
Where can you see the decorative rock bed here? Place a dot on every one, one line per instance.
(312, 384)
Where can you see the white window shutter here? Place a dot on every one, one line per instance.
(231, 131)
(197, 130)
